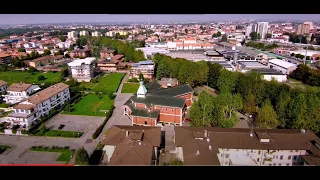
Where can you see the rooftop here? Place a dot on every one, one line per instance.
(266, 71)
(47, 93)
(79, 62)
(18, 87)
(282, 63)
(3, 83)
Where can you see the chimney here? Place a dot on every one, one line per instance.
(210, 148)
(205, 133)
(197, 153)
(127, 134)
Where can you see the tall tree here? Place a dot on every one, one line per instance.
(250, 105)
(282, 106)
(163, 71)
(297, 112)
(224, 38)
(201, 112)
(312, 121)
(46, 52)
(213, 74)
(82, 157)
(253, 36)
(267, 116)
(227, 81)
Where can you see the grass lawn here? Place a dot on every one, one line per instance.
(65, 155)
(27, 77)
(107, 83)
(4, 105)
(3, 148)
(5, 114)
(130, 87)
(90, 105)
(59, 133)
(297, 84)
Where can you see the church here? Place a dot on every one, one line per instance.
(153, 104)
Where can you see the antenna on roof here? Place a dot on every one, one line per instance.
(210, 147)
(251, 132)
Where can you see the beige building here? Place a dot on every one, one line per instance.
(83, 69)
(72, 34)
(146, 68)
(18, 92)
(303, 29)
(96, 34)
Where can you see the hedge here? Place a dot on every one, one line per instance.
(100, 128)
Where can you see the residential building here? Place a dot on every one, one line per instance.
(168, 82)
(42, 61)
(72, 34)
(38, 105)
(111, 33)
(104, 54)
(153, 105)
(242, 146)
(131, 145)
(18, 92)
(112, 64)
(146, 68)
(270, 74)
(263, 58)
(282, 66)
(150, 51)
(3, 86)
(96, 34)
(303, 29)
(80, 53)
(84, 33)
(310, 24)
(5, 58)
(248, 30)
(262, 29)
(83, 69)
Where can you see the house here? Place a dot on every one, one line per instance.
(159, 105)
(3, 86)
(242, 146)
(83, 69)
(270, 74)
(281, 65)
(5, 58)
(45, 60)
(146, 68)
(80, 53)
(38, 105)
(168, 82)
(112, 64)
(131, 145)
(104, 54)
(263, 58)
(18, 92)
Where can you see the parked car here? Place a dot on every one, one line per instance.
(61, 126)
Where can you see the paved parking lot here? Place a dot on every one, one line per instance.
(32, 157)
(75, 123)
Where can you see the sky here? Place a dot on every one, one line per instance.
(8, 19)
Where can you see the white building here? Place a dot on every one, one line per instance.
(84, 33)
(248, 30)
(38, 105)
(111, 33)
(303, 52)
(146, 68)
(282, 66)
(18, 92)
(3, 87)
(96, 34)
(263, 29)
(243, 147)
(150, 51)
(309, 23)
(72, 34)
(83, 69)
(271, 74)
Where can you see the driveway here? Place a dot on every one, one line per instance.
(169, 137)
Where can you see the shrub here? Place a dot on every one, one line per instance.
(100, 128)
(41, 78)
(82, 157)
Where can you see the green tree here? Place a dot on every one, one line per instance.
(282, 107)
(213, 74)
(301, 73)
(163, 71)
(267, 116)
(250, 105)
(63, 38)
(253, 36)
(218, 34)
(46, 52)
(22, 49)
(227, 81)
(269, 35)
(297, 112)
(65, 72)
(224, 38)
(41, 78)
(71, 47)
(312, 120)
(201, 112)
(81, 157)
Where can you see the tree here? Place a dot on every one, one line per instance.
(224, 38)
(71, 47)
(32, 69)
(312, 121)
(163, 71)
(218, 34)
(301, 73)
(243, 42)
(213, 74)
(175, 162)
(282, 106)
(186, 30)
(227, 81)
(65, 72)
(269, 35)
(22, 49)
(41, 78)
(63, 38)
(250, 105)
(46, 52)
(267, 116)
(253, 36)
(214, 35)
(292, 54)
(81, 157)
(297, 112)
(201, 112)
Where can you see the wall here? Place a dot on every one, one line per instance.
(279, 78)
(109, 149)
(144, 121)
(188, 98)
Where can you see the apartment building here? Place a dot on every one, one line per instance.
(96, 34)
(131, 145)
(3, 86)
(104, 54)
(263, 29)
(146, 68)
(152, 104)
(83, 69)
(38, 105)
(72, 34)
(45, 60)
(111, 33)
(18, 92)
(80, 53)
(242, 147)
(84, 33)
(303, 29)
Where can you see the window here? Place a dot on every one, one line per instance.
(273, 156)
(171, 109)
(166, 109)
(289, 157)
(259, 152)
(279, 164)
(287, 164)
(281, 157)
(276, 156)
(258, 159)
(145, 122)
(297, 150)
(270, 164)
(227, 149)
(294, 157)
(227, 155)
(274, 164)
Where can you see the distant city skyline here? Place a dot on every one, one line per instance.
(12, 19)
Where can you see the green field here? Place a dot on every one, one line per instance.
(65, 155)
(27, 77)
(107, 83)
(90, 105)
(130, 87)
(3, 148)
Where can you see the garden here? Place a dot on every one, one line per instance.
(130, 87)
(3, 148)
(30, 77)
(108, 83)
(65, 156)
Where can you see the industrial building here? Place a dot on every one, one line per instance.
(270, 74)
(282, 66)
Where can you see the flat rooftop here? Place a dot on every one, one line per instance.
(242, 160)
(79, 62)
(249, 64)
(266, 71)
